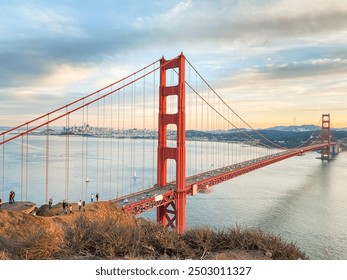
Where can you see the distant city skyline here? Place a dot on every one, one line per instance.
(273, 62)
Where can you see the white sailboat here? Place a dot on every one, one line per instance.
(87, 180)
(135, 177)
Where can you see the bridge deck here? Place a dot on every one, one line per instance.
(146, 200)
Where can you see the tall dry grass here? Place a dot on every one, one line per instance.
(36, 243)
(110, 238)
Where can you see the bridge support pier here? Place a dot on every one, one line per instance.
(176, 216)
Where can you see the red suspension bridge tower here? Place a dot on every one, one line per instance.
(326, 136)
(172, 214)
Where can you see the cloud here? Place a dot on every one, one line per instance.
(246, 22)
(294, 77)
(304, 89)
(304, 69)
(239, 46)
(46, 19)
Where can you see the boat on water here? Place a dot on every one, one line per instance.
(244, 145)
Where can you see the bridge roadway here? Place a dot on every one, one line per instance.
(148, 199)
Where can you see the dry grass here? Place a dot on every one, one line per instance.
(28, 237)
(107, 233)
(249, 239)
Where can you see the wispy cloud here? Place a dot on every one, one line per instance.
(47, 19)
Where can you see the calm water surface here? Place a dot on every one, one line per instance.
(301, 199)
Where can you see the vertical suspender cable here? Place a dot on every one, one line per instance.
(209, 131)
(232, 136)
(82, 155)
(214, 131)
(68, 159)
(132, 140)
(201, 143)
(221, 151)
(67, 154)
(172, 106)
(111, 146)
(215, 126)
(27, 165)
(240, 151)
(257, 152)
(87, 148)
(123, 142)
(189, 149)
(226, 145)
(21, 170)
(144, 131)
(218, 127)
(3, 168)
(237, 142)
(66, 134)
(222, 162)
(196, 129)
(134, 135)
(227, 139)
(255, 149)
(153, 124)
(118, 143)
(103, 149)
(97, 144)
(47, 158)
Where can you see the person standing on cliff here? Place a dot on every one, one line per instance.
(10, 197)
(64, 204)
(0, 202)
(92, 198)
(97, 196)
(79, 206)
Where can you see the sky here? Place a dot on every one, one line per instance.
(274, 62)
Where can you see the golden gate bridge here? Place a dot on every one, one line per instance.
(128, 142)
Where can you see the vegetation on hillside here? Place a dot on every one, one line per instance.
(105, 232)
